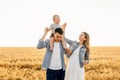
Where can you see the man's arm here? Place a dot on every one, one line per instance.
(42, 43)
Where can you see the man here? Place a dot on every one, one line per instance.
(53, 61)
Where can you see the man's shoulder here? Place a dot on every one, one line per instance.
(47, 40)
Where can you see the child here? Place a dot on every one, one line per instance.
(56, 20)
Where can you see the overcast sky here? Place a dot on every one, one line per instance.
(22, 21)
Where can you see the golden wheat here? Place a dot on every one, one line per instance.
(25, 64)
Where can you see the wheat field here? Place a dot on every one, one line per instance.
(21, 63)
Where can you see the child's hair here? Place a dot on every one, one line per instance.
(55, 16)
(59, 30)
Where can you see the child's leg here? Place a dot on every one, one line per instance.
(63, 43)
(51, 43)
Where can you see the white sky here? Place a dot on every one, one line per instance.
(22, 21)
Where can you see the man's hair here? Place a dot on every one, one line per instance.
(59, 30)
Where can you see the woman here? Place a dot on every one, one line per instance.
(79, 55)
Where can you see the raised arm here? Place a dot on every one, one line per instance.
(64, 26)
(70, 42)
(66, 39)
(42, 44)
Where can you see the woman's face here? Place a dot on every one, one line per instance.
(82, 37)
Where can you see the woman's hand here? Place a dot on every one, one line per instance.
(68, 50)
(85, 62)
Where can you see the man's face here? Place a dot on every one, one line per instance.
(57, 37)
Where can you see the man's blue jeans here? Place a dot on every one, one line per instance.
(55, 74)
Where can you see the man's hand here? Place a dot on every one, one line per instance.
(45, 33)
(46, 30)
(64, 26)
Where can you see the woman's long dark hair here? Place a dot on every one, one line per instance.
(87, 43)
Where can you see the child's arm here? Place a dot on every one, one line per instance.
(66, 39)
(51, 27)
(42, 43)
(64, 26)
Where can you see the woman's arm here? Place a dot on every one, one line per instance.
(86, 58)
(70, 42)
(66, 39)
(68, 52)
